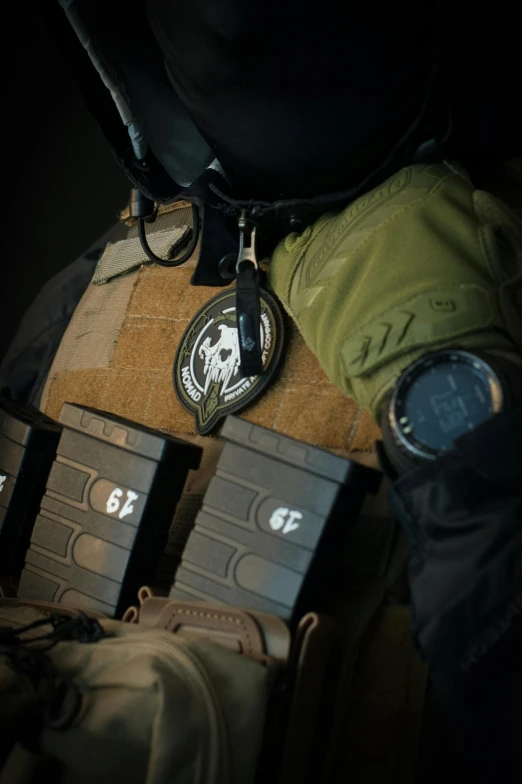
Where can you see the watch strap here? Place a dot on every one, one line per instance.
(478, 446)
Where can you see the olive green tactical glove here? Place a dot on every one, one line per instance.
(421, 263)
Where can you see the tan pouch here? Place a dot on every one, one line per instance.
(155, 707)
(299, 700)
(256, 635)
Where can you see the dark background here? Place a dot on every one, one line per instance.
(62, 188)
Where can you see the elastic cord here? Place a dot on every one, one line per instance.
(175, 262)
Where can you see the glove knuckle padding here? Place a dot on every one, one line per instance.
(421, 263)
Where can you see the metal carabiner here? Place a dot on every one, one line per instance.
(247, 251)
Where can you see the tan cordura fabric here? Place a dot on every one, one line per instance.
(117, 355)
(119, 348)
(156, 709)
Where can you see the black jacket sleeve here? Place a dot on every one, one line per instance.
(463, 517)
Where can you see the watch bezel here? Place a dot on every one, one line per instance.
(407, 441)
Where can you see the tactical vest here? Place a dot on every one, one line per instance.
(117, 355)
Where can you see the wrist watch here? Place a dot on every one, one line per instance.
(442, 396)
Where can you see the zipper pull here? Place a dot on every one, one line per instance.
(248, 304)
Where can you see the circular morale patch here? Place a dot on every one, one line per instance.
(206, 373)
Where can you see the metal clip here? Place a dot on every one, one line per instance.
(247, 241)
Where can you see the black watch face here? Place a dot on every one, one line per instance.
(442, 399)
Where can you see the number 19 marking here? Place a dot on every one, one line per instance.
(113, 502)
(285, 520)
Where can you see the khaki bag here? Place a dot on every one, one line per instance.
(117, 701)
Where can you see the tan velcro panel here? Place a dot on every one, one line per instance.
(118, 352)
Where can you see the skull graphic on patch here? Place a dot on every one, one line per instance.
(222, 358)
(206, 374)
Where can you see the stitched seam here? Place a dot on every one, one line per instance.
(152, 387)
(276, 415)
(354, 427)
(389, 221)
(208, 614)
(306, 382)
(157, 318)
(215, 616)
(346, 221)
(494, 270)
(316, 304)
(129, 367)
